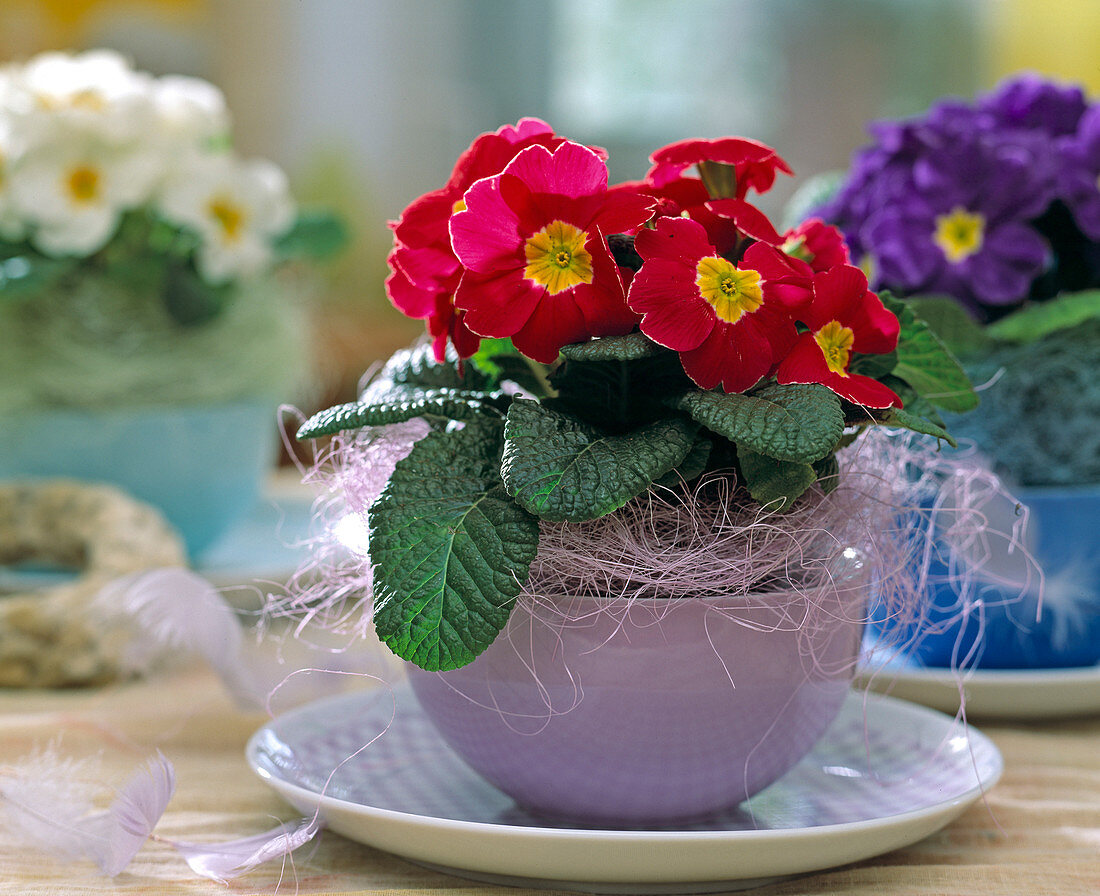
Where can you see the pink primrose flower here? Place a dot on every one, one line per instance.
(730, 323)
(843, 318)
(533, 244)
(424, 269)
(754, 164)
(818, 244)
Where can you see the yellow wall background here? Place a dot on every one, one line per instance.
(1059, 38)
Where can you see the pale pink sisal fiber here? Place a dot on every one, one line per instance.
(900, 504)
(331, 593)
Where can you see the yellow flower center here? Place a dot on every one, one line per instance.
(730, 290)
(835, 342)
(556, 257)
(959, 233)
(88, 99)
(459, 206)
(229, 216)
(83, 184)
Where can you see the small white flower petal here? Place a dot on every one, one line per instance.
(80, 233)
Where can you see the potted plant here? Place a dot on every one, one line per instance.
(985, 216)
(144, 339)
(612, 525)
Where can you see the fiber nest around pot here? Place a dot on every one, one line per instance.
(95, 344)
(1052, 385)
(691, 541)
(51, 636)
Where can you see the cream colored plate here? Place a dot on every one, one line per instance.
(993, 694)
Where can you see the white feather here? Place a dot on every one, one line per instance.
(173, 609)
(223, 861)
(125, 827)
(47, 804)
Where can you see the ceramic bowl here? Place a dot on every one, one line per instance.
(652, 711)
(1005, 622)
(202, 466)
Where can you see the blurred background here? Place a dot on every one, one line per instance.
(367, 103)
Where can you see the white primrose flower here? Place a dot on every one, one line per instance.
(72, 193)
(190, 112)
(238, 208)
(96, 93)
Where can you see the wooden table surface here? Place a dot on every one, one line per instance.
(1037, 834)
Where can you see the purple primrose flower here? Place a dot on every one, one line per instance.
(954, 201)
(963, 229)
(1078, 173)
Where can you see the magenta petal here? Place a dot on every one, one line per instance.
(424, 220)
(429, 268)
(734, 355)
(747, 218)
(603, 302)
(837, 294)
(408, 298)
(678, 239)
(749, 356)
(496, 304)
(804, 363)
(674, 314)
(624, 212)
(875, 327)
(556, 321)
(571, 170)
(862, 390)
(485, 236)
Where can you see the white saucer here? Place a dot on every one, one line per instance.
(886, 775)
(1008, 694)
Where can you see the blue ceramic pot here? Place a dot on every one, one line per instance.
(1008, 631)
(202, 466)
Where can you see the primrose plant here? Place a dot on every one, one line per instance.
(590, 342)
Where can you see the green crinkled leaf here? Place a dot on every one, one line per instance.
(927, 365)
(560, 468)
(774, 483)
(417, 366)
(189, 299)
(912, 402)
(451, 551)
(618, 395)
(960, 332)
(1040, 319)
(403, 403)
(499, 360)
(827, 470)
(691, 467)
(797, 423)
(313, 235)
(905, 419)
(630, 347)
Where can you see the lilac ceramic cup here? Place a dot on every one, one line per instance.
(656, 711)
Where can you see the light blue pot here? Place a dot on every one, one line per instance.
(203, 466)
